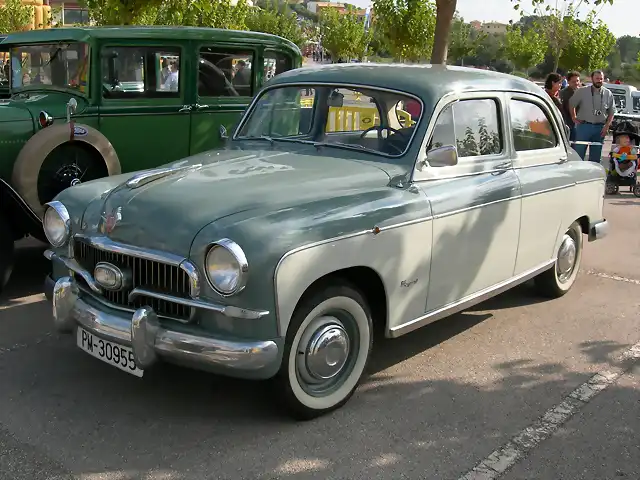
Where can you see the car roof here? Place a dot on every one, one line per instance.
(431, 81)
(83, 34)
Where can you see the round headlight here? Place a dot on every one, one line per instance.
(226, 267)
(57, 224)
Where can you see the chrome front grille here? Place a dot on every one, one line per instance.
(147, 274)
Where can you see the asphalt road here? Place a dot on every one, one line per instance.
(437, 404)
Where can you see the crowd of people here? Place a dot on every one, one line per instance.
(588, 110)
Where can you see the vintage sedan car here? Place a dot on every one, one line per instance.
(328, 214)
(96, 101)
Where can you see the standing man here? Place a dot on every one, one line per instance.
(592, 110)
(573, 84)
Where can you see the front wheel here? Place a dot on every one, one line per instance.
(327, 348)
(558, 280)
(6, 253)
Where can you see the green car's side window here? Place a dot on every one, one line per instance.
(225, 73)
(140, 72)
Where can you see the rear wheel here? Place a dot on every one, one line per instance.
(326, 351)
(558, 280)
(68, 165)
(6, 252)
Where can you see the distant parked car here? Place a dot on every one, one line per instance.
(330, 213)
(97, 101)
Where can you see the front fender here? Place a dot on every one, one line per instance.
(36, 150)
(21, 217)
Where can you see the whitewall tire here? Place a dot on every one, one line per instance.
(327, 348)
(558, 280)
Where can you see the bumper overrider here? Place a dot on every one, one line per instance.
(150, 342)
(598, 230)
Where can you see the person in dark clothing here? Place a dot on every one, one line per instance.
(573, 78)
(552, 86)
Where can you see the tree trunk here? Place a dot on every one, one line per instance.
(445, 9)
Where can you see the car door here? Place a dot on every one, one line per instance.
(475, 204)
(142, 107)
(540, 162)
(226, 83)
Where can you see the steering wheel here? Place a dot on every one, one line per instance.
(380, 128)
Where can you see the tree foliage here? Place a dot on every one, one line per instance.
(343, 34)
(591, 44)
(276, 19)
(525, 49)
(558, 20)
(119, 12)
(464, 41)
(408, 27)
(15, 17)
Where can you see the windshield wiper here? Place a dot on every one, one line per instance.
(341, 144)
(261, 137)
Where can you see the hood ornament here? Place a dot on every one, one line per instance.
(110, 221)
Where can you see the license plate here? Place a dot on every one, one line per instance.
(109, 352)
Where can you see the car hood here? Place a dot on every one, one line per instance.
(167, 213)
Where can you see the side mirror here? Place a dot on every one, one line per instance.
(445, 156)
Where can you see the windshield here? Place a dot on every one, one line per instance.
(365, 119)
(60, 65)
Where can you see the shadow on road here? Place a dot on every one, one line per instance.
(29, 271)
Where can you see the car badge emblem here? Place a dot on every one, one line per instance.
(111, 220)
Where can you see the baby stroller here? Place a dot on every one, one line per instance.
(624, 159)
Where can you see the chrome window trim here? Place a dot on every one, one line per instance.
(264, 90)
(429, 173)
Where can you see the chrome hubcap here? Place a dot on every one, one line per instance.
(324, 350)
(566, 258)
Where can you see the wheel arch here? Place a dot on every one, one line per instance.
(39, 147)
(364, 279)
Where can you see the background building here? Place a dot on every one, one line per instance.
(69, 12)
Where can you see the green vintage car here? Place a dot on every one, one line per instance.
(350, 198)
(91, 102)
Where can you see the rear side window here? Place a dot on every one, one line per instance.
(531, 127)
(275, 63)
(225, 72)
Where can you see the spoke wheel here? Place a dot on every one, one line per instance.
(66, 166)
(326, 351)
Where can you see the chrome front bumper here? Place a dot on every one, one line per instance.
(598, 230)
(150, 341)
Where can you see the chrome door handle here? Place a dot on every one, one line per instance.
(503, 165)
(185, 108)
(199, 107)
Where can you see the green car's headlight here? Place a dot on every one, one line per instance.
(57, 224)
(226, 267)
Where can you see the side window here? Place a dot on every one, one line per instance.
(477, 128)
(225, 73)
(531, 127)
(357, 113)
(140, 72)
(636, 102)
(275, 63)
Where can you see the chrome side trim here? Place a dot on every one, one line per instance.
(150, 175)
(226, 310)
(468, 301)
(108, 245)
(547, 190)
(75, 267)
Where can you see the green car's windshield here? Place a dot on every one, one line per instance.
(365, 119)
(56, 66)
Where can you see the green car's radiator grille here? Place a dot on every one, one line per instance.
(147, 274)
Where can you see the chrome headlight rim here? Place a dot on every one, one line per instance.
(241, 259)
(64, 216)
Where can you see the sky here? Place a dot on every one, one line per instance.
(621, 17)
